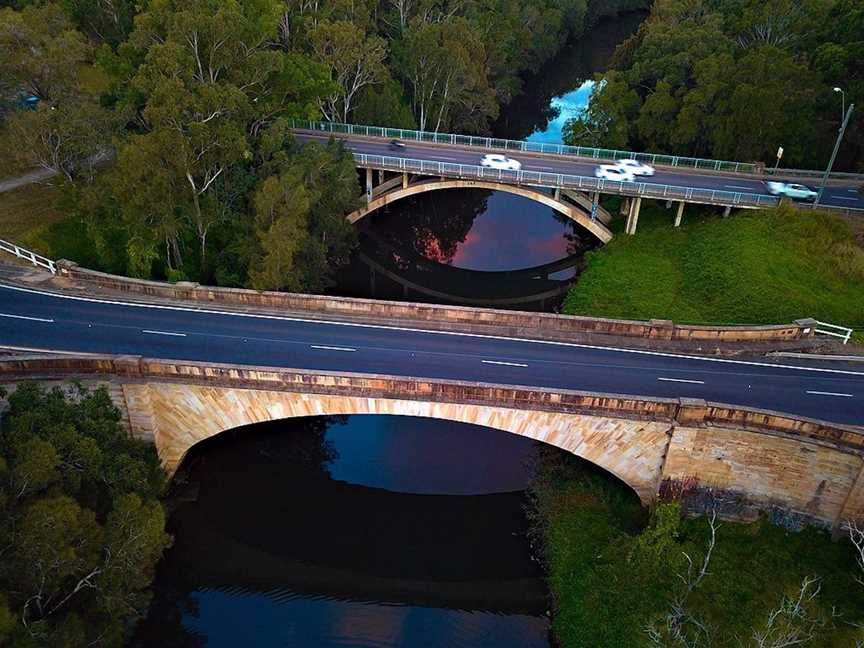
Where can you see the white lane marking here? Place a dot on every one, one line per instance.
(739, 187)
(682, 380)
(537, 166)
(331, 348)
(30, 319)
(821, 393)
(172, 334)
(506, 364)
(852, 190)
(307, 320)
(7, 347)
(843, 198)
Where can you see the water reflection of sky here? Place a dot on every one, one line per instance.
(513, 232)
(415, 455)
(568, 106)
(226, 618)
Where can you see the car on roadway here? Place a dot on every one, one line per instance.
(635, 167)
(791, 190)
(614, 172)
(397, 145)
(496, 161)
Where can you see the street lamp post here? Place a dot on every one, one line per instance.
(834, 153)
(842, 103)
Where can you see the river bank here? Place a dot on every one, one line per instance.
(615, 570)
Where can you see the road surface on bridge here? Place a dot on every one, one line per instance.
(38, 320)
(844, 197)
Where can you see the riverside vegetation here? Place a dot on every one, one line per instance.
(624, 577)
(207, 183)
(81, 526)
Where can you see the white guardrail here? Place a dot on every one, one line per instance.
(542, 179)
(27, 255)
(834, 330)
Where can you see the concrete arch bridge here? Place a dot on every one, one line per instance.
(572, 204)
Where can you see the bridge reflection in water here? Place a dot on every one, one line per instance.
(467, 247)
(281, 540)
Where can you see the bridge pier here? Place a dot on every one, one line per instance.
(625, 207)
(557, 193)
(404, 180)
(727, 210)
(633, 216)
(679, 214)
(368, 185)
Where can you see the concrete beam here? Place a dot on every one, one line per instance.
(679, 214)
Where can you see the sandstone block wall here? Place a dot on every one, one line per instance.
(812, 467)
(456, 318)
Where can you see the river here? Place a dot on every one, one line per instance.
(489, 248)
(377, 531)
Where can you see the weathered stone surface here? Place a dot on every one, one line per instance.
(185, 414)
(812, 479)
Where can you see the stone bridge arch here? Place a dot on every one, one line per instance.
(180, 416)
(569, 210)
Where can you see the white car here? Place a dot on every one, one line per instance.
(614, 172)
(495, 161)
(635, 167)
(791, 190)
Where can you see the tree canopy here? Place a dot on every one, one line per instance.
(82, 528)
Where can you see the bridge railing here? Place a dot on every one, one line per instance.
(530, 147)
(27, 255)
(558, 180)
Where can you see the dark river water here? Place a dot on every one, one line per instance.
(489, 248)
(382, 531)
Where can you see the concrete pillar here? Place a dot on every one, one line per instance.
(557, 193)
(381, 176)
(368, 185)
(679, 214)
(625, 207)
(595, 203)
(727, 210)
(633, 218)
(595, 197)
(404, 180)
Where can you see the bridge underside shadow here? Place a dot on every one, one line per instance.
(399, 191)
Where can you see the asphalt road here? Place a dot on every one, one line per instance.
(37, 320)
(847, 197)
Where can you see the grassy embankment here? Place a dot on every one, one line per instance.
(613, 576)
(762, 267)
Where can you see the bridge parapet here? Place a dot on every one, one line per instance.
(484, 321)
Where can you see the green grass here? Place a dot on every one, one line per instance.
(27, 209)
(609, 581)
(764, 267)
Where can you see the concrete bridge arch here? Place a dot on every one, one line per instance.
(404, 190)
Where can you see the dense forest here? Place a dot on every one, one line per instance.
(735, 79)
(168, 120)
(81, 528)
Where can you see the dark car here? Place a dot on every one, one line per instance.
(397, 145)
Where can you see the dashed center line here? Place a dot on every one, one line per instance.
(506, 364)
(25, 317)
(739, 187)
(821, 393)
(683, 380)
(845, 198)
(331, 348)
(170, 333)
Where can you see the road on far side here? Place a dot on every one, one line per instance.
(835, 196)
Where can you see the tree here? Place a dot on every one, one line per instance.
(109, 21)
(69, 138)
(40, 51)
(81, 529)
(445, 65)
(355, 61)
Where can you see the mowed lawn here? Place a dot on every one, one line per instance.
(764, 267)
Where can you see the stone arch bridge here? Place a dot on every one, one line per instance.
(810, 467)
